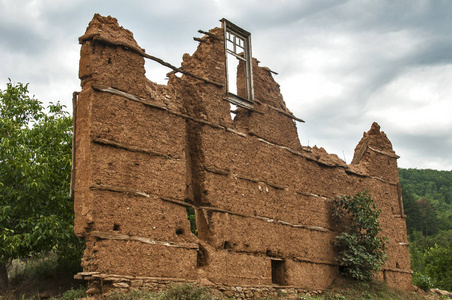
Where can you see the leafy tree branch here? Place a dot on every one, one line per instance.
(360, 249)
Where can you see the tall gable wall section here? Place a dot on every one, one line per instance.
(145, 153)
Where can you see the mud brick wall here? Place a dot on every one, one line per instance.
(145, 153)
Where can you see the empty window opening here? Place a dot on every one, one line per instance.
(233, 69)
(278, 271)
(116, 227)
(238, 65)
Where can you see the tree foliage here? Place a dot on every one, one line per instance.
(427, 199)
(438, 261)
(36, 214)
(360, 249)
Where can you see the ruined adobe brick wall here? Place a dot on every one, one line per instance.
(144, 153)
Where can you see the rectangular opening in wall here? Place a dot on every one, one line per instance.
(239, 73)
(191, 216)
(278, 271)
(233, 65)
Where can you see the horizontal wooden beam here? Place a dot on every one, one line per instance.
(98, 38)
(125, 237)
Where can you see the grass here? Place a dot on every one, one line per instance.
(345, 289)
(73, 294)
(341, 290)
(175, 292)
(44, 277)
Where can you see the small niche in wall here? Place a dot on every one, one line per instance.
(202, 257)
(278, 271)
(116, 227)
(227, 245)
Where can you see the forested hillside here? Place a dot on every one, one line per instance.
(427, 198)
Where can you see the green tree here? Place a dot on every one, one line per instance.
(360, 249)
(427, 218)
(412, 210)
(36, 214)
(438, 266)
(433, 191)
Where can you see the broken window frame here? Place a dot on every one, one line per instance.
(237, 33)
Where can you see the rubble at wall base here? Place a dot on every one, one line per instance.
(109, 284)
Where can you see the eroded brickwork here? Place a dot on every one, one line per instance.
(144, 153)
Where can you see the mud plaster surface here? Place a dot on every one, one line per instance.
(259, 195)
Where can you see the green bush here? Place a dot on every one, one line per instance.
(74, 294)
(438, 262)
(422, 281)
(187, 292)
(175, 292)
(360, 251)
(132, 295)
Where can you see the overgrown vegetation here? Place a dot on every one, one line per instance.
(427, 199)
(36, 214)
(366, 291)
(360, 251)
(175, 292)
(340, 290)
(40, 277)
(73, 294)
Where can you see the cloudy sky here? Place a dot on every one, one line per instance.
(342, 64)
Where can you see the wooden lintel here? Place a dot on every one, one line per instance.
(132, 148)
(74, 132)
(397, 270)
(114, 277)
(313, 195)
(287, 114)
(392, 155)
(119, 189)
(178, 202)
(98, 38)
(199, 40)
(101, 88)
(269, 70)
(265, 219)
(213, 36)
(215, 170)
(147, 102)
(384, 180)
(241, 102)
(235, 132)
(125, 237)
(280, 111)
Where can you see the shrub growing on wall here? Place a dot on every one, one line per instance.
(360, 249)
